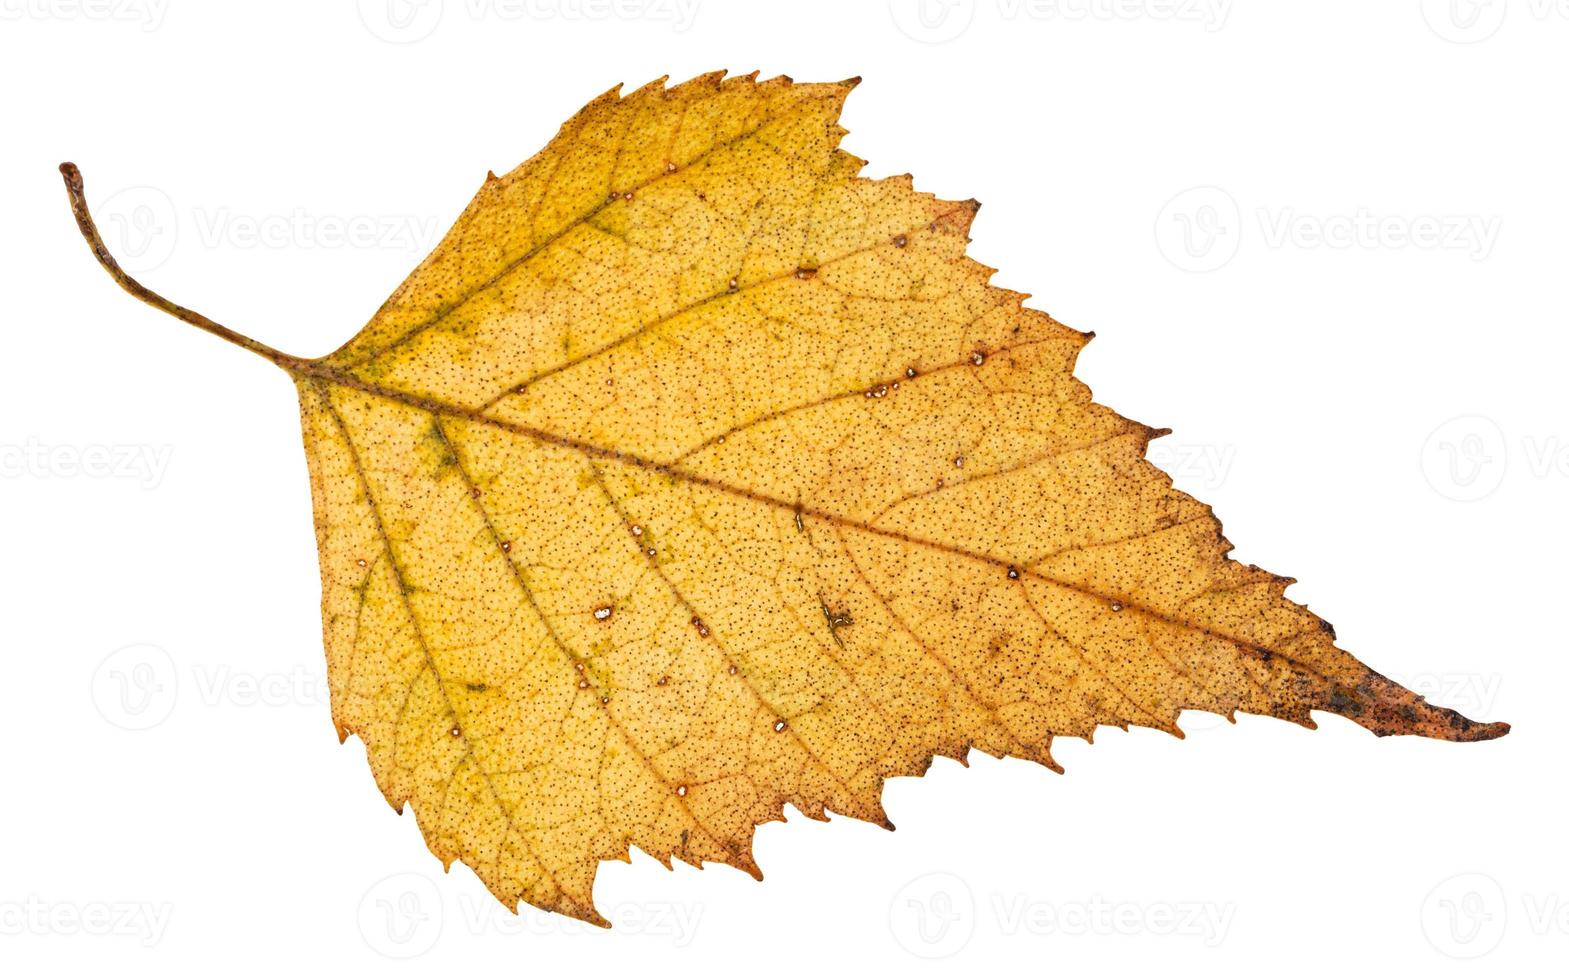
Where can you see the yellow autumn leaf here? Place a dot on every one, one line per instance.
(693, 475)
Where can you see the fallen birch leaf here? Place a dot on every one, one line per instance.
(693, 475)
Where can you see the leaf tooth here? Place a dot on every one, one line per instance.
(713, 80)
(651, 89)
(747, 80)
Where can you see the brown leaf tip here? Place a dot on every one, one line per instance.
(1385, 708)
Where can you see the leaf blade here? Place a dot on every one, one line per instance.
(667, 520)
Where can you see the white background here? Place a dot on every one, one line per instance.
(1380, 250)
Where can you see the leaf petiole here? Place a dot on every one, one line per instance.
(89, 229)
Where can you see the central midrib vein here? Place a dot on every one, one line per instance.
(318, 371)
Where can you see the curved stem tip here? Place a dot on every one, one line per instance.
(84, 221)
